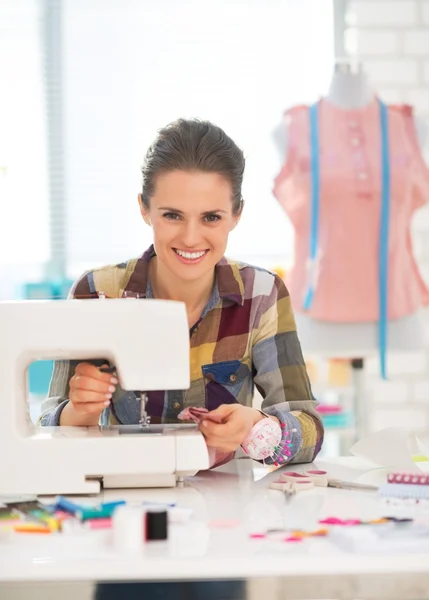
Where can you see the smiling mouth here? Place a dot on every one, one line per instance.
(190, 256)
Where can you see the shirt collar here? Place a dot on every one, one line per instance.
(229, 283)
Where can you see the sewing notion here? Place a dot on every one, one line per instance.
(130, 526)
(131, 335)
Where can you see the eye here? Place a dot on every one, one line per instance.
(212, 218)
(171, 216)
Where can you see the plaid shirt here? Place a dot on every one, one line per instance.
(246, 337)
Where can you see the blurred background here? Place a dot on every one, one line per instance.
(86, 84)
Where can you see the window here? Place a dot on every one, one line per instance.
(131, 67)
(24, 233)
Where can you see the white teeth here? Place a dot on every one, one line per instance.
(190, 255)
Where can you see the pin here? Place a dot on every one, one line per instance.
(283, 452)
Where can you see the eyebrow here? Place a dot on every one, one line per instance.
(207, 212)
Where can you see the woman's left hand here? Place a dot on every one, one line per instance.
(237, 421)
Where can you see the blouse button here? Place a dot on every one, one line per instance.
(363, 176)
(355, 141)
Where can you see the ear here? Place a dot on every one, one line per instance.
(144, 211)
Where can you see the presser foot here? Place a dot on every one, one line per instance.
(144, 417)
(144, 420)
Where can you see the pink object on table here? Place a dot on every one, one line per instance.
(408, 478)
(343, 522)
(331, 521)
(99, 523)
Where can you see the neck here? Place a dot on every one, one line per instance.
(350, 90)
(166, 286)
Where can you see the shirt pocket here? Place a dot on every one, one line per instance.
(226, 382)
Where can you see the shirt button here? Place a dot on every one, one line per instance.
(233, 377)
(353, 124)
(363, 176)
(355, 141)
(176, 405)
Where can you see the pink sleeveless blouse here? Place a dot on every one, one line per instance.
(346, 276)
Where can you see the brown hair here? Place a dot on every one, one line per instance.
(193, 145)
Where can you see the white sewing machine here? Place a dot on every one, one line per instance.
(148, 342)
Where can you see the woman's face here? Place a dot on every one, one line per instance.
(191, 216)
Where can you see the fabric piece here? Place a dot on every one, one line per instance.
(246, 336)
(197, 415)
(346, 265)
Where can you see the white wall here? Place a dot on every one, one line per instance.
(391, 37)
(130, 67)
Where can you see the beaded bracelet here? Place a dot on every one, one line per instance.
(266, 440)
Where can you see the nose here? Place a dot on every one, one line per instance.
(191, 234)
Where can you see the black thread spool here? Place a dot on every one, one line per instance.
(156, 525)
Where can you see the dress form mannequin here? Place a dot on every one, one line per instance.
(350, 90)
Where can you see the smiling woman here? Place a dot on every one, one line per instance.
(191, 198)
(242, 329)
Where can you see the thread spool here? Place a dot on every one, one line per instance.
(129, 528)
(156, 525)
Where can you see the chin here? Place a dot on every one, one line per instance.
(193, 274)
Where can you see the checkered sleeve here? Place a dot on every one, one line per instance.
(58, 393)
(281, 375)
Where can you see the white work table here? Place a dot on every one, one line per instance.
(227, 504)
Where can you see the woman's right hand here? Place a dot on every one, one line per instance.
(91, 390)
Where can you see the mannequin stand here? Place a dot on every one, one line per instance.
(359, 405)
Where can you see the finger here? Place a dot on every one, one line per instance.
(223, 411)
(81, 382)
(88, 370)
(224, 445)
(219, 430)
(84, 397)
(106, 369)
(212, 417)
